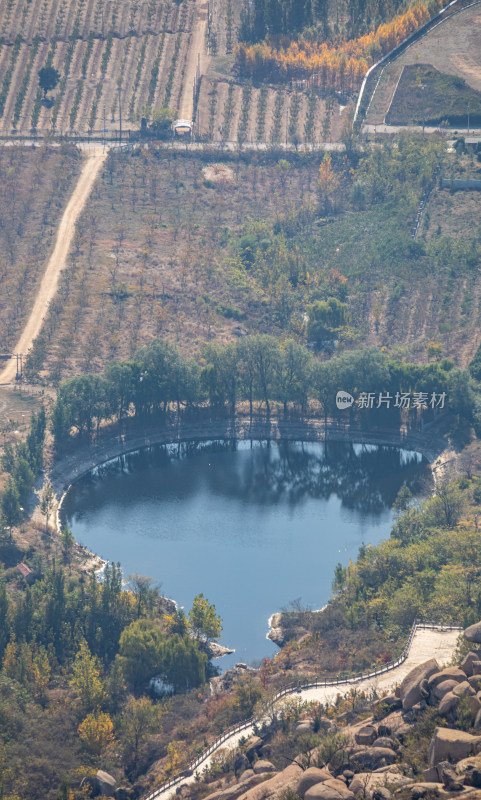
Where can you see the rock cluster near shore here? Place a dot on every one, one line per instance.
(372, 766)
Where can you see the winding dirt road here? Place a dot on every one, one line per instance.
(57, 261)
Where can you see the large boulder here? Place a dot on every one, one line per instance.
(329, 790)
(385, 705)
(261, 767)
(425, 789)
(101, 784)
(448, 674)
(366, 735)
(253, 744)
(467, 663)
(442, 688)
(411, 685)
(304, 726)
(463, 688)
(365, 783)
(473, 633)
(310, 777)
(449, 703)
(450, 745)
(241, 763)
(270, 788)
(371, 758)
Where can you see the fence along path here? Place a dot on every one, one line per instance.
(425, 641)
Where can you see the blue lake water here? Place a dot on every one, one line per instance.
(252, 525)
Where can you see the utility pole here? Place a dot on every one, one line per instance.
(104, 126)
(468, 116)
(120, 113)
(287, 126)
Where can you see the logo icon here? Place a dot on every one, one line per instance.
(344, 400)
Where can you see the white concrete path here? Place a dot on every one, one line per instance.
(426, 643)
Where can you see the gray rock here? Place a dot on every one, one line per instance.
(253, 744)
(366, 735)
(451, 745)
(467, 663)
(385, 741)
(310, 777)
(449, 703)
(329, 790)
(248, 773)
(385, 705)
(442, 688)
(261, 766)
(475, 681)
(451, 781)
(411, 685)
(450, 673)
(473, 633)
(381, 794)
(463, 688)
(241, 763)
(100, 784)
(370, 758)
(419, 790)
(304, 726)
(365, 784)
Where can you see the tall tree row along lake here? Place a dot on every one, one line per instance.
(252, 525)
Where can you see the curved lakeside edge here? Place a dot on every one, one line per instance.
(431, 442)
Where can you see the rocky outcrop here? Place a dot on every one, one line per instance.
(452, 745)
(331, 789)
(473, 633)
(261, 767)
(311, 777)
(410, 689)
(365, 783)
(100, 785)
(366, 735)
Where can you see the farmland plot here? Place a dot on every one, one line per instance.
(97, 48)
(36, 184)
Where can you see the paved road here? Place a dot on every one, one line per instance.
(426, 644)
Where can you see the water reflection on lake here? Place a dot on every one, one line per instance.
(251, 525)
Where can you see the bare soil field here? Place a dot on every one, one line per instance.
(154, 256)
(36, 184)
(231, 112)
(453, 47)
(96, 48)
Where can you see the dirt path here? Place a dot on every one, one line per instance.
(57, 260)
(197, 56)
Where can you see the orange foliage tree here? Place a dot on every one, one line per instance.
(330, 66)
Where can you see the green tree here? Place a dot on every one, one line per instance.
(326, 319)
(47, 502)
(204, 622)
(86, 679)
(140, 719)
(140, 653)
(48, 77)
(10, 504)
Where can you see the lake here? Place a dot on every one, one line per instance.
(252, 525)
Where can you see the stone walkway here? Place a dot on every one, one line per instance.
(427, 643)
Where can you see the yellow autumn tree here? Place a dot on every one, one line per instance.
(96, 732)
(86, 678)
(328, 181)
